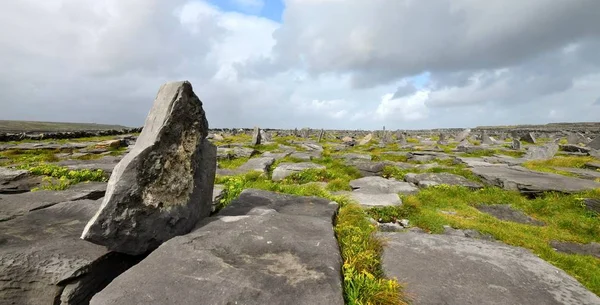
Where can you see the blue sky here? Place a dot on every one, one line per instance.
(271, 9)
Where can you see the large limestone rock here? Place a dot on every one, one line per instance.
(256, 136)
(541, 152)
(164, 186)
(264, 248)
(462, 135)
(453, 270)
(520, 179)
(286, 169)
(595, 144)
(366, 139)
(430, 179)
(43, 261)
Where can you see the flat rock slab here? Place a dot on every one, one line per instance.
(354, 156)
(429, 179)
(592, 249)
(368, 168)
(368, 200)
(306, 156)
(43, 261)
(15, 181)
(506, 212)
(472, 162)
(526, 181)
(453, 270)
(18, 204)
(581, 172)
(377, 185)
(268, 254)
(286, 169)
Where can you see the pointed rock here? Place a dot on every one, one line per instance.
(164, 186)
(256, 136)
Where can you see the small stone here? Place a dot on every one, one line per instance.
(404, 222)
(389, 227)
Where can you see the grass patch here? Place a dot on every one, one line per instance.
(232, 163)
(565, 217)
(34, 156)
(413, 140)
(399, 173)
(65, 176)
(548, 166)
(492, 152)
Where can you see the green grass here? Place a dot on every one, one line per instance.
(400, 173)
(34, 156)
(63, 141)
(565, 217)
(65, 176)
(364, 282)
(559, 161)
(492, 152)
(232, 163)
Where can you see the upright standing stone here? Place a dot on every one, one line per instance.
(321, 133)
(366, 139)
(485, 139)
(529, 138)
(516, 144)
(442, 140)
(256, 137)
(264, 136)
(164, 186)
(401, 137)
(595, 144)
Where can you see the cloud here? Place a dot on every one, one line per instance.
(328, 63)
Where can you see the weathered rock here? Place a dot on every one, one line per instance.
(581, 172)
(516, 144)
(163, 187)
(116, 143)
(593, 165)
(485, 139)
(472, 162)
(286, 169)
(529, 138)
(592, 204)
(507, 213)
(256, 136)
(389, 227)
(264, 248)
(368, 168)
(401, 138)
(453, 270)
(13, 181)
(276, 156)
(349, 141)
(461, 136)
(43, 261)
(370, 200)
(520, 179)
(15, 205)
(441, 178)
(321, 134)
(577, 139)
(107, 164)
(595, 144)
(544, 152)
(366, 139)
(306, 156)
(574, 148)
(264, 136)
(353, 156)
(592, 249)
(375, 185)
(218, 193)
(470, 233)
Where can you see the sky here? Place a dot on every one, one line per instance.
(334, 64)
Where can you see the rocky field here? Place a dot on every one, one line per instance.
(485, 216)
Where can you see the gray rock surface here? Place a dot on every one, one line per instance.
(595, 144)
(462, 135)
(577, 139)
(43, 261)
(529, 138)
(164, 185)
(218, 192)
(15, 205)
(354, 156)
(375, 185)
(516, 144)
(370, 200)
(581, 172)
(106, 164)
(441, 178)
(526, 181)
(264, 248)
(592, 249)
(544, 152)
(286, 169)
(507, 213)
(366, 139)
(256, 136)
(306, 156)
(453, 270)
(592, 204)
(14, 181)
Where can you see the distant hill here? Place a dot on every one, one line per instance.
(33, 126)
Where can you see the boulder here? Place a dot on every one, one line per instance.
(577, 139)
(286, 169)
(256, 136)
(260, 165)
(516, 144)
(461, 136)
(264, 248)
(544, 152)
(529, 138)
(163, 187)
(454, 270)
(594, 144)
(43, 261)
(353, 156)
(366, 139)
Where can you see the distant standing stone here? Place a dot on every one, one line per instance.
(485, 138)
(529, 138)
(321, 134)
(462, 135)
(366, 139)
(401, 137)
(576, 139)
(516, 144)
(256, 137)
(164, 186)
(442, 140)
